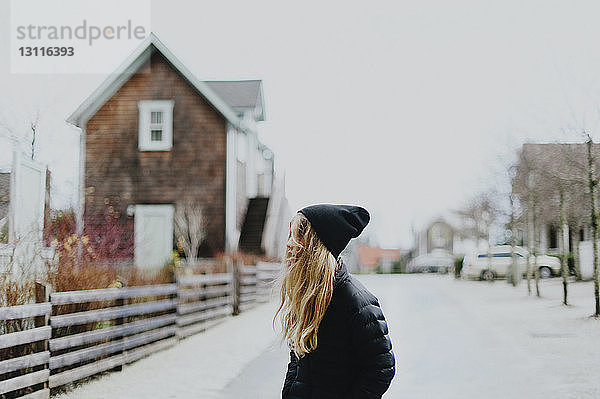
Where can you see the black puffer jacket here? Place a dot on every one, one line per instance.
(354, 358)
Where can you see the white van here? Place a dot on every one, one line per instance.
(477, 266)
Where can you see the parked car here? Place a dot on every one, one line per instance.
(477, 266)
(438, 261)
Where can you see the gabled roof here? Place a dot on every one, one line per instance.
(241, 95)
(439, 220)
(129, 67)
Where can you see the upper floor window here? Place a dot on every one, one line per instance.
(155, 125)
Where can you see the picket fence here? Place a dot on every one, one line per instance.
(69, 336)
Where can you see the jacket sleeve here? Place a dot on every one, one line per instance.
(374, 351)
(290, 375)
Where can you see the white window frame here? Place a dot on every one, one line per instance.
(145, 109)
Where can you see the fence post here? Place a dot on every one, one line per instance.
(42, 295)
(172, 274)
(118, 322)
(173, 278)
(236, 287)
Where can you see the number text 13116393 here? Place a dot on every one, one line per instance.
(46, 51)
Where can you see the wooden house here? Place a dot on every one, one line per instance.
(154, 137)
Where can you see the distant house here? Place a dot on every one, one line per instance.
(438, 235)
(155, 137)
(372, 259)
(542, 166)
(549, 156)
(436, 245)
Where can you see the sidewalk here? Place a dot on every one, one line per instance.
(200, 366)
(262, 378)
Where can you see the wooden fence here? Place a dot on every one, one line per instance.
(123, 325)
(266, 276)
(27, 368)
(203, 301)
(255, 283)
(73, 335)
(246, 287)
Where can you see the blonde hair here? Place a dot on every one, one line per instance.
(306, 286)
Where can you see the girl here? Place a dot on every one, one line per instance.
(334, 326)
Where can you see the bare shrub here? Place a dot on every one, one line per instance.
(190, 228)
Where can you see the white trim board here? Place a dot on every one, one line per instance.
(21, 163)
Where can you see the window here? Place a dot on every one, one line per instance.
(553, 236)
(501, 255)
(155, 125)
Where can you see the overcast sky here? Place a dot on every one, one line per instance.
(404, 107)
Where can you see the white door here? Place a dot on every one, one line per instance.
(153, 229)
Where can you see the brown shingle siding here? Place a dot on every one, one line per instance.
(193, 169)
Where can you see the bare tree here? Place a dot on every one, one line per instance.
(522, 185)
(512, 229)
(190, 228)
(34, 127)
(535, 194)
(564, 170)
(17, 129)
(560, 189)
(477, 218)
(508, 212)
(593, 182)
(559, 174)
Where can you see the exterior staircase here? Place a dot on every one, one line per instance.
(254, 224)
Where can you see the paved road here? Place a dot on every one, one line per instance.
(459, 339)
(262, 378)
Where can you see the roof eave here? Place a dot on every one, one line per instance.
(110, 85)
(130, 66)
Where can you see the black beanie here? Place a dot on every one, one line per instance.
(336, 225)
